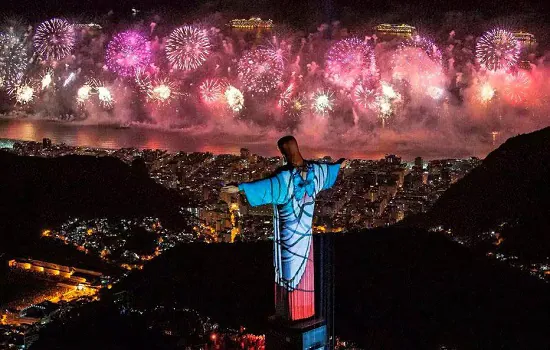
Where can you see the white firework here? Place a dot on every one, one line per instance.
(54, 39)
(498, 49)
(234, 98)
(13, 60)
(187, 47)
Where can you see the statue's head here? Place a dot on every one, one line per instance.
(289, 147)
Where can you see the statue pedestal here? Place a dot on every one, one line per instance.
(308, 334)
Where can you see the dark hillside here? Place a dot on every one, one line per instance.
(395, 289)
(38, 193)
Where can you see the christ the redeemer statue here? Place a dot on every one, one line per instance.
(292, 191)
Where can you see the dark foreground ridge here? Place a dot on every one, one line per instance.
(395, 289)
(38, 193)
(508, 193)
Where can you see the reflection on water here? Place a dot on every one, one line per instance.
(106, 136)
(101, 136)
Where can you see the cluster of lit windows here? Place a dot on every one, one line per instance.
(395, 29)
(525, 39)
(253, 22)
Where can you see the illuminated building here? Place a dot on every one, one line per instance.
(393, 159)
(252, 23)
(526, 40)
(94, 26)
(72, 275)
(389, 31)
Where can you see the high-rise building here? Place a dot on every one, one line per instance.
(46, 143)
(245, 152)
(393, 159)
(418, 162)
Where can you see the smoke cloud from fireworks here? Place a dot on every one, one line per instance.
(358, 94)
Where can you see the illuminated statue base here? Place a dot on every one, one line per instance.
(310, 334)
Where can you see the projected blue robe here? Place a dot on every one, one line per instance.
(293, 200)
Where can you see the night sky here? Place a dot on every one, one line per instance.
(295, 12)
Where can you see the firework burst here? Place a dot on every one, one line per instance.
(24, 93)
(211, 90)
(83, 94)
(234, 98)
(281, 47)
(497, 49)
(322, 102)
(261, 71)
(423, 73)
(386, 97)
(516, 87)
(486, 92)
(162, 91)
(388, 91)
(349, 60)
(363, 95)
(128, 53)
(286, 95)
(47, 79)
(435, 92)
(54, 39)
(187, 47)
(105, 97)
(13, 60)
(424, 44)
(295, 107)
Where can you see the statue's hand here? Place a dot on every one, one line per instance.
(230, 189)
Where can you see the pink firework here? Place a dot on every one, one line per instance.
(498, 49)
(349, 60)
(363, 95)
(261, 71)
(424, 44)
(424, 74)
(127, 53)
(211, 90)
(187, 47)
(54, 39)
(516, 87)
(286, 95)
